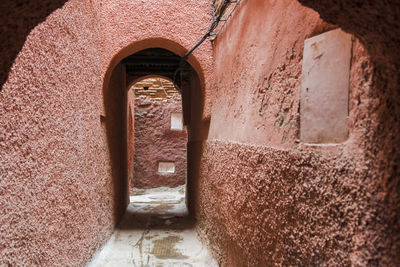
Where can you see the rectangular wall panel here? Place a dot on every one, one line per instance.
(166, 167)
(176, 121)
(325, 88)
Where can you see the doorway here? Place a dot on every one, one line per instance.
(158, 184)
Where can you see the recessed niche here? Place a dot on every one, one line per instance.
(325, 88)
(166, 167)
(176, 121)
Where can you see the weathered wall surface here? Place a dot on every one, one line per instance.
(130, 26)
(155, 142)
(62, 185)
(265, 199)
(15, 29)
(55, 196)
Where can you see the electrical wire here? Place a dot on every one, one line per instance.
(212, 27)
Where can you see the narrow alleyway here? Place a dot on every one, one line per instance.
(282, 118)
(155, 231)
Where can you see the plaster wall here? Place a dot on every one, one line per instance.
(155, 142)
(18, 18)
(54, 184)
(325, 88)
(130, 26)
(263, 197)
(63, 120)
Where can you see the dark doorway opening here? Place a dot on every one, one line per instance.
(119, 122)
(158, 183)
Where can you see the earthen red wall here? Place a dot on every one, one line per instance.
(56, 199)
(264, 198)
(155, 142)
(62, 146)
(17, 19)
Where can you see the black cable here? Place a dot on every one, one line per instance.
(213, 25)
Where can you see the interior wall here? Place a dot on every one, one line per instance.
(279, 201)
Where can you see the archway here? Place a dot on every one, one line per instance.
(129, 70)
(159, 141)
(154, 221)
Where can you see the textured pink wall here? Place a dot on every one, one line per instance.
(130, 26)
(264, 199)
(61, 188)
(155, 142)
(54, 180)
(17, 19)
(264, 52)
(49, 133)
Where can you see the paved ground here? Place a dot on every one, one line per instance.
(155, 233)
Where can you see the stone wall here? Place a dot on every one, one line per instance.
(157, 89)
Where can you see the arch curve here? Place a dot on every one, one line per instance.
(130, 83)
(128, 62)
(163, 43)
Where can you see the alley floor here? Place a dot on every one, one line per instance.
(155, 232)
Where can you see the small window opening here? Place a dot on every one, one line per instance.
(176, 121)
(166, 167)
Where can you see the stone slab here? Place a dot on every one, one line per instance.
(325, 88)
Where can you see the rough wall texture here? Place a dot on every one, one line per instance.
(155, 142)
(130, 26)
(53, 189)
(278, 201)
(377, 24)
(156, 88)
(17, 19)
(61, 183)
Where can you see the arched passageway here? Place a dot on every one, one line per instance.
(152, 129)
(62, 173)
(131, 69)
